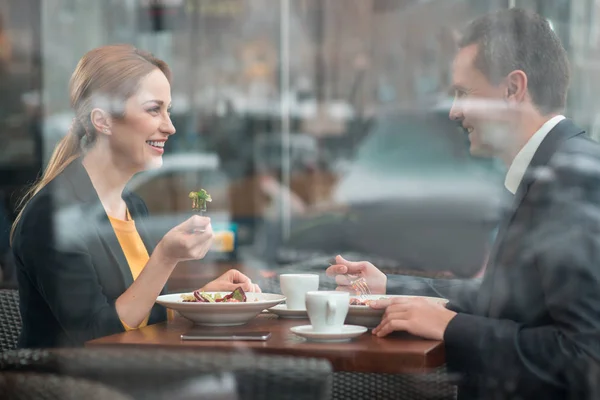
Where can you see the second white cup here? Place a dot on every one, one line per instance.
(327, 310)
(294, 288)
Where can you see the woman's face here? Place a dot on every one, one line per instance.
(138, 139)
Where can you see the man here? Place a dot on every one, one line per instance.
(532, 329)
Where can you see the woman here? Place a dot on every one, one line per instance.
(86, 266)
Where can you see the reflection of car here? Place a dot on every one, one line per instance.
(268, 152)
(412, 194)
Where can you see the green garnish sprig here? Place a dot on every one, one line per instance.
(199, 200)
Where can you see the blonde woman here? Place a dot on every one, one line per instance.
(86, 266)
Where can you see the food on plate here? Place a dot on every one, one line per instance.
(188, 298)
(357, 301)
(199, 200)
(363, 302)
(237, 296)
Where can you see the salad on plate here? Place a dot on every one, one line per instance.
(198, 296)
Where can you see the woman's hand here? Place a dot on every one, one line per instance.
(189, 240)
(230, 281)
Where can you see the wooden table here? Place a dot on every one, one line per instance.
(393, 355)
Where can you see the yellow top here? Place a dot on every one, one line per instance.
(134, 249)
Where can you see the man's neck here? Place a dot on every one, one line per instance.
(528, 125)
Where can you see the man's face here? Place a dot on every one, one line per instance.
(479, 106)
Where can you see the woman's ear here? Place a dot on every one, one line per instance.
(101, 121)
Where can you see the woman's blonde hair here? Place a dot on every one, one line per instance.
(104, 78)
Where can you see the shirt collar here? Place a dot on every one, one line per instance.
(519, 165)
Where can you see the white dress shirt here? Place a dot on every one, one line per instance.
(519, 165)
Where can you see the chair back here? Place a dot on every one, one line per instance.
(31, 386)
(10, 319)
(156, 374)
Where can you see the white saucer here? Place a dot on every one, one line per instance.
(282, 311)
(348, 332)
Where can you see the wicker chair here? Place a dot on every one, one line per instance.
(30, 386)
(10, 319)
(156, 373)
(359, 386)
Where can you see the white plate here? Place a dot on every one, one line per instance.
(221, 314)
(348, 332)
(282, 311)
(369, 317)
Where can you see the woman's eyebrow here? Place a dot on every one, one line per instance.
(160, 102)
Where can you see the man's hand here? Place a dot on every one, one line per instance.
(376, 280)
(230, 281)
(415, 315)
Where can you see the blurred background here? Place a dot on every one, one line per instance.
(319, 127)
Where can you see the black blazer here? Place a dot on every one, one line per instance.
(531, 329)
(70, 266)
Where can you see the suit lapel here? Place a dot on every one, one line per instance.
(111, 244)
(92, 209)
(138, 216)
(563, 131)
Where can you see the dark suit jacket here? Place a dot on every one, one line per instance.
(532, 329)
(70, 266)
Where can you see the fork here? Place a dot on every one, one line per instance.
(359, 284)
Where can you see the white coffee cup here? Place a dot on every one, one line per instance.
(327, 310)
(294, 288)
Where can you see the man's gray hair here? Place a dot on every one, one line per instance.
(517, 39)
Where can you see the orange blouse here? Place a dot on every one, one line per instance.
(134, 249)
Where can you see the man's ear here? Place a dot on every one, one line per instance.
(101, 121)
(516, 86)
